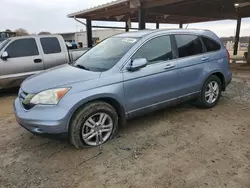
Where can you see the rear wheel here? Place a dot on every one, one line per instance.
(211, 92)
(93, 125)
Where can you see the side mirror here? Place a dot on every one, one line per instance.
(5, 55)
(69, 45)
(137, 64)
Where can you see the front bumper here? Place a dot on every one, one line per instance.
(42, 119)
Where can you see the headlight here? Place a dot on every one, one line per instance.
(52, 96)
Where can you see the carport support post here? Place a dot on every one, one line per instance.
(181, 25)
(237, 37)
(141, 16)
(248, 54)
(126, 27)
(157, 25)
(89, 33)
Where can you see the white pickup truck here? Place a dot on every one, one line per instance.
(21, 57)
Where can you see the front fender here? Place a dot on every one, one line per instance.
(74, 101)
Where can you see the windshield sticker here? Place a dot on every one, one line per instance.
(130, 40)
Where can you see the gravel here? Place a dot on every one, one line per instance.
(238, 90)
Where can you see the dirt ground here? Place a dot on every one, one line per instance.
(181, 147)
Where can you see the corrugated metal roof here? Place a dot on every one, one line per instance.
(97, 7)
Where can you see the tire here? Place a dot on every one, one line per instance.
(203, 101)
(87, 122)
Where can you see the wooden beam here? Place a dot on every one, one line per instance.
(153, 3)
(111, 27)
(184, 17)
(177, 18)
(190, 13)
(114, 12)
(170, 20)
(101, 9)
(222, 9)
(185, 3)
(244, 11)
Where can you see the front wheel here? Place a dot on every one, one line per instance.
(93, 125)
(211, 92)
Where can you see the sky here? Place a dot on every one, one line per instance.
(51, 15)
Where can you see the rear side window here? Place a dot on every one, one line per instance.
(156, 50)
(210, 44)
(188, 45)
(22, 48)
(50, 45)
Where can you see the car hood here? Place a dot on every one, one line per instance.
(64, 75)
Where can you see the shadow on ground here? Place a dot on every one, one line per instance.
(9, 92)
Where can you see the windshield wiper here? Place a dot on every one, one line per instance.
(82, 67)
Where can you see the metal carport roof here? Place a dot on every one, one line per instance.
(168, 11)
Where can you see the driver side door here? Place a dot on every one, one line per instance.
(154, 86)
(23, 61)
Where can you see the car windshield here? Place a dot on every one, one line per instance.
(2, 44)
(106, 54)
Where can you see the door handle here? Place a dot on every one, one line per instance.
(204, 58)
(169, 66)
(38, 60)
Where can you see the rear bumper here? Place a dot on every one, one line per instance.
(229, 78)
(41, 120)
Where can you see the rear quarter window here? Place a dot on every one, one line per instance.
(210, 44)
(50, 45)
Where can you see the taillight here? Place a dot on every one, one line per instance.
(228, 55)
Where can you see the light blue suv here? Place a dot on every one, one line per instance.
(122, 77)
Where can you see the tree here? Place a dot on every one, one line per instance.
(44, 33)
(8, 30)
(21, 32)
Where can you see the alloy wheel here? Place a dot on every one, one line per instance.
(212, 92)
(97, 129)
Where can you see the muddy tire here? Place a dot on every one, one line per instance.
(93, 125)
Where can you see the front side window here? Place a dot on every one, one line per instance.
(4, 43)
(210, 44)
(188, 45)
(156, 50)
(50, 45)
(106, 54)
(22, 48)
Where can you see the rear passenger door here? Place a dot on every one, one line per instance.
(213, 52)
(53, 54)
(192, 64)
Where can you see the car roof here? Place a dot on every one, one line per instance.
(136, 34)
(34, 36)
(143, 33)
